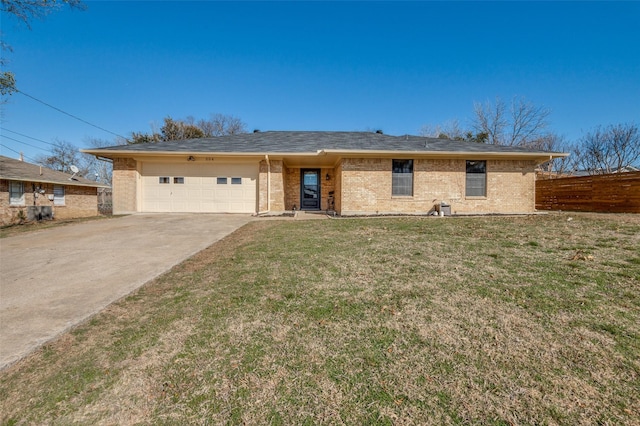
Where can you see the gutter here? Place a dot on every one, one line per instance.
(540, 156)
(446, 153)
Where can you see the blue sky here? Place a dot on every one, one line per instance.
(394, 66)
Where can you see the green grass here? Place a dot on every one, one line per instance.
(524, 320)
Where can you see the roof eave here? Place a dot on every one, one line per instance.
(54, 182)
(449, 154)
(130, 153)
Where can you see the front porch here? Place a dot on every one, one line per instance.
(296, 188)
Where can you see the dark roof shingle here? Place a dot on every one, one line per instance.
(312, 142)
(11, 169)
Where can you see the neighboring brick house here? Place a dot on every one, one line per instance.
(34, 191)
(353, 173)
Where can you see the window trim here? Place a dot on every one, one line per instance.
(395, 175)
(13, 200)
(57, 199)
(466, 180)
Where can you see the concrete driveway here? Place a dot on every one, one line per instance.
(55, 278)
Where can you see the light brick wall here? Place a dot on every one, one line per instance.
(326, 186)
(276, 193)
(338, 187)
(276, 182)
(292, 187)
(365, 187)
(263, 205)
(125, 184)
(80, 201)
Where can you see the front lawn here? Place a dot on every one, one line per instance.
(494, 320)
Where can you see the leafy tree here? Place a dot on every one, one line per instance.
(7, 83)
(139, 137)
(173, 130)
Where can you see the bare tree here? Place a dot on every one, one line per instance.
(63, 156)
(100, 170)
(521, 123)
(27, 10)
(562, 165)
(220, 125)
(448, 130)
(609, 149)
(189, 128)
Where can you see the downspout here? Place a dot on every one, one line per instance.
(266, 158)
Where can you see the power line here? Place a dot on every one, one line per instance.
(29, 137)
(24, 143)
(70, 115)
(19, 153)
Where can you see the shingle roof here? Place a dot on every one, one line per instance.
(312, 142)
(11, 169)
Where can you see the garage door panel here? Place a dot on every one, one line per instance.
(200, 191)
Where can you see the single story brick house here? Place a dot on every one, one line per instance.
(352, 173)
(35, 192)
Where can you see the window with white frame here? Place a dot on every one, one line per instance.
(402, 178)
(476, 182)
(58, 195)
(16, 193)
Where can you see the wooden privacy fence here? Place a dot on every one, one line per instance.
(613, 193)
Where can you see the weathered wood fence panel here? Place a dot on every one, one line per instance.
(614, 193)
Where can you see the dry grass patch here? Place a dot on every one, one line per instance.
(33, 226)
(523, 320)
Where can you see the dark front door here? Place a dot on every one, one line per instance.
(310, 189)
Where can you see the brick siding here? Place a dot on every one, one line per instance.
(276, 184)
(80, 201)
(292, 187)
(125, 183)
(365, 187)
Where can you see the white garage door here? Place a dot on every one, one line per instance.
(193, 187)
